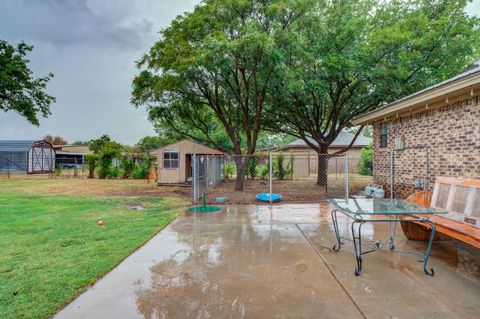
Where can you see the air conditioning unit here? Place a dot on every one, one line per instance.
(399, 143)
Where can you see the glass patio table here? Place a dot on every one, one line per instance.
(372, 210)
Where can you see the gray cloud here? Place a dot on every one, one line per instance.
(91, 46)
(79, 22)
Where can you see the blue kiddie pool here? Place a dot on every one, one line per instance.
(265, 197)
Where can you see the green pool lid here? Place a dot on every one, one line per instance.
(204, 209)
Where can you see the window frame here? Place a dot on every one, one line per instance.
(384, 135)
(173, 163)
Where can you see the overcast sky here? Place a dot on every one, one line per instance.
(91, 47)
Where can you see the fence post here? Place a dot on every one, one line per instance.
(347, 186)
(271, 174)
(336, 167)
(194, 179)
(207, 173)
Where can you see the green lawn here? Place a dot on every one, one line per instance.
(52, 248)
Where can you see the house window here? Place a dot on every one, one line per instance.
(383, 134)
(170, 159)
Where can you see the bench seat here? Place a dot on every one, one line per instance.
(462, 232)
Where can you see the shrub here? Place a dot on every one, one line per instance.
(279, 169)
(263, 171)
(58, 171)
(365, 165)
(229, 169)
(141, 171)
(290, 167)
(251, 167)
(113, 172)
(127, 164)
(91, 160)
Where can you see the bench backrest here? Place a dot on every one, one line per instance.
(460, 197)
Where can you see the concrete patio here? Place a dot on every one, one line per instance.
(263, 262)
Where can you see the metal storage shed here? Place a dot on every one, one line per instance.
(31, 157)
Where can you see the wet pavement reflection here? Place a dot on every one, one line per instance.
(275, 262)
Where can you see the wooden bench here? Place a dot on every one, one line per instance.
(461, 199)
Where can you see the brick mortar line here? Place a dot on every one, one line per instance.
(331, 271)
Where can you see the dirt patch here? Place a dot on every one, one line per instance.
(92, 187)
(292, 191)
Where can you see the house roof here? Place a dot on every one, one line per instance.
(343, 139)
(467, 80)
(17, 145)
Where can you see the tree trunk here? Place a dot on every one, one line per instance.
(240, 163)
(91, 171)
(322, 169)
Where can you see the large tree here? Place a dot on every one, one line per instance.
(348, 57)
(19, 90)
(211, 71)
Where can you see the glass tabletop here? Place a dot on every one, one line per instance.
(381, 206)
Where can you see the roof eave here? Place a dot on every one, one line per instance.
(419, 100)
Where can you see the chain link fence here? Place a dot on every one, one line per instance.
(48, 167)
(298, 178)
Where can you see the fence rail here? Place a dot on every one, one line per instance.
(297, 178)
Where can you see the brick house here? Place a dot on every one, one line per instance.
(433, 132)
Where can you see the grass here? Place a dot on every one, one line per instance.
(52, 247)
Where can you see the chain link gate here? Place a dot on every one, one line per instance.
(298, 178)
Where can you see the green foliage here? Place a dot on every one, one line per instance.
(365, 165)
(58, 171)
(229, 169)
(19, 91)
(290, 165)
(91, 161)
(208, 76)
(127, 165)
(279, 167)
(345, 58)
(251, 167)
(263, 171)
(141, 171)
(105, 150)
(113, 172)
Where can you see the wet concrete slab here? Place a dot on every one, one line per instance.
(393, 285)
(274, 262)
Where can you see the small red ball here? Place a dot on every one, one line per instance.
(100, 223)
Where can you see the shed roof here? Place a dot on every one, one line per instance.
(16, 145)
(343, 139)
(204, 149)
(468, 78)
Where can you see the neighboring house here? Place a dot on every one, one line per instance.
(70, 156)
(343, 140)
(31, 157)
(306, 160)
(175, 160)
(433, 132)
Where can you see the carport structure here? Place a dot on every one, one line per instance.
(29, 156)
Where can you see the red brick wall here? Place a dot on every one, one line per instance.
(452, 134)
